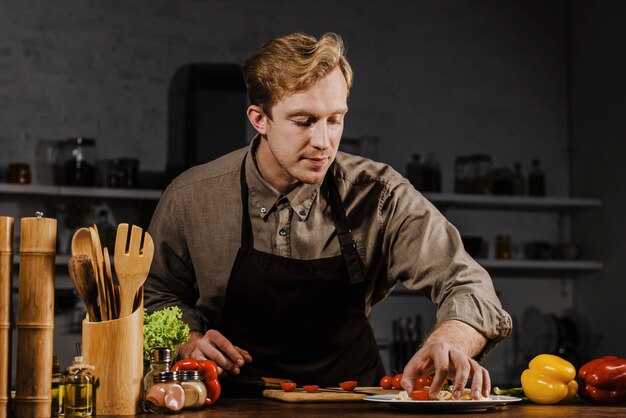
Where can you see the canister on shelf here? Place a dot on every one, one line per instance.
(503, 247)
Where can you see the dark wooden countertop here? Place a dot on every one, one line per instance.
(275, 409)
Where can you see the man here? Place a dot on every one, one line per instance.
(277, 252)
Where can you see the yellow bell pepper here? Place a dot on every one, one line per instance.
(549, 379)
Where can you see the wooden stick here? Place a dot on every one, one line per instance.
(6, 297)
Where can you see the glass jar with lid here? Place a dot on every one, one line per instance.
(78, 159)
(160, 359)
(166, 395)
(195, 391)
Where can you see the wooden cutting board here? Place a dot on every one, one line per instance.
(322, 395)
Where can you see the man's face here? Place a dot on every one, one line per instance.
(301, 140)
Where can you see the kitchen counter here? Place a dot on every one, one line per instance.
(270, 408)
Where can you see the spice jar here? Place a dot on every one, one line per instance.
(160, 362)
(79, 389)
(195, 391)
(166, 395)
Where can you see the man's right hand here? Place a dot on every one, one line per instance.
(214, 346)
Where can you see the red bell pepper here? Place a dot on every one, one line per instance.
(208, 370)
(603, 380)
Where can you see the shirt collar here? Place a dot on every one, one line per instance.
(265, 198)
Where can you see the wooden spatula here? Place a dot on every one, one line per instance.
(108, 283)
(132, 266)
(96, 254)
(81, 245)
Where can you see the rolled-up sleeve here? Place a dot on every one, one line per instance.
(425, 252)
(172, 281)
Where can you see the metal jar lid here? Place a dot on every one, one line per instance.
(162, 377)
(161, 355)
(185, 375)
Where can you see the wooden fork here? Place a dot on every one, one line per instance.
(131, 266)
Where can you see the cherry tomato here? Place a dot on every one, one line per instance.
(420, 395)
(386, 382)
(311, 388)
(288, 386)
(396, 382)
(348, 385)
(422, 381)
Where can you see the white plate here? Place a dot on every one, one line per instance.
(470, 405)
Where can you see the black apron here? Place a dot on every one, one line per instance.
(302, 320)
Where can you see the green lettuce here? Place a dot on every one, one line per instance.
(163, 328)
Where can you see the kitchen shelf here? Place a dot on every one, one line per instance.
(511, 202)
(69, 191)
(542, 265)
(532, 267)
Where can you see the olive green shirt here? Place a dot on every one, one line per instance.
(400, 236)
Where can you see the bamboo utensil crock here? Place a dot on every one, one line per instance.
(35, 322)
(115, 348)
(6, 294)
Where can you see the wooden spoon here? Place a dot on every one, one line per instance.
(81, 273)
(82, 245)
(132, 266)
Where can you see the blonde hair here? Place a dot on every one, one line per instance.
(292, 63)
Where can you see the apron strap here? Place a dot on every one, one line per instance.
(350, 254)
(247, 239)
(344, 234)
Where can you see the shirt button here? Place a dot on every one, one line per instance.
(283, 232)
(302, 212)
(263, 210)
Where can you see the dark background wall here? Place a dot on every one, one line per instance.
(452, 77)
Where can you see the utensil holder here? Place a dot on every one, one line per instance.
(115, 348)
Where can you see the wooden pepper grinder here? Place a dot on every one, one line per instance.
(6, 292)
(35, 322)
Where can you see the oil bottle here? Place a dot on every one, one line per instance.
(79, 389)
(58, 388)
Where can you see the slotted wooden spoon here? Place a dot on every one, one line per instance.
(132, 266)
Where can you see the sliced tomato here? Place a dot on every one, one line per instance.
(348, 384)
(311, 388)
(396, 382)
(288, 386)
(420, 395)
(422, 381)
(386, 382)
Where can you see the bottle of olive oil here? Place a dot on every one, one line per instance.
(58, 388)
(79, 389)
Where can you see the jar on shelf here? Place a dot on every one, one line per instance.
(78, 161)
(536, 180)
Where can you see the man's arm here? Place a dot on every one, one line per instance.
(214, 346)
(449, 353)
